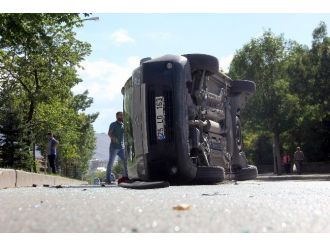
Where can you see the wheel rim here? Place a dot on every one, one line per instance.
(238, 134)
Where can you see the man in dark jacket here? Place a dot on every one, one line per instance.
(116, 134)
(51, 151)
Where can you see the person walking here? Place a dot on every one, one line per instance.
(286, 160)
(298, 159)
(51, 151)
(116, 134)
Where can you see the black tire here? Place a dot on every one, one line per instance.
(141, 185)
(240, 86)
(209, 175)
(203, 62)
(246, 173)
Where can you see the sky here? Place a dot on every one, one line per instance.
(119, 41)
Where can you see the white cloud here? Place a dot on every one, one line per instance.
(225, 62)
(104, 80)
(121, 36)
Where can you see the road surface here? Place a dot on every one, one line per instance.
(250, 206)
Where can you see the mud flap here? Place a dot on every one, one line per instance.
(142, 185)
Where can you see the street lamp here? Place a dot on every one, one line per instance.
(96, 18)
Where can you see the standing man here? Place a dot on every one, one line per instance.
(298, 159)
(52, 144)
(116, 134)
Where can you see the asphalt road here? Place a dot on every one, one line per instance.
(250, 206)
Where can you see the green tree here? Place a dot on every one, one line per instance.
(309, 75)
(39, 57)
(40, 54)
(72, 128)
(273, 108)
(14, 153)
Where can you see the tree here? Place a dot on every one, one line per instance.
(39, 57)
(72, 128)
(293, 94)
(273, 108)
(14, 152)
(40, 54)
(309, 76)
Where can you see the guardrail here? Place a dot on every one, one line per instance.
(10, 178)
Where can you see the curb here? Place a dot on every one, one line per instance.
(322, 177)
(10, 178)
(7, 178)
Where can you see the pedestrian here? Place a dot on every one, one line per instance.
(51, 151)
(286, 160)
(298, 159)
(116, 134)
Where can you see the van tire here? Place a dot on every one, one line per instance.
(240, 86)
(245, 173)
(203, 62)
(209, 175)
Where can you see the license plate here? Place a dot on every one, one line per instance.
(160, 117)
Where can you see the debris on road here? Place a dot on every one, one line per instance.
(143, 185)
(214, 194)
(182, 207)
(134, 230)
(176, 228)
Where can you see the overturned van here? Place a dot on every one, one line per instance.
(182, 121)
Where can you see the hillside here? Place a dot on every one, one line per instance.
(102, 146)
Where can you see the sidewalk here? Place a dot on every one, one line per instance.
(10, 178)
(274, 177)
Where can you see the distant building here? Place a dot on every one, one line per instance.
(94, 164)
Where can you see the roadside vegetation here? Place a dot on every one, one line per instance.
(39, 58)
(292, 105)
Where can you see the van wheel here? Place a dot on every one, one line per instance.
(203, 62)
(246, 173)
(209, 175)
(240, 86)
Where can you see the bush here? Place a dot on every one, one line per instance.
(118, 168)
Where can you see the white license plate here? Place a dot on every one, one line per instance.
(160, 117)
